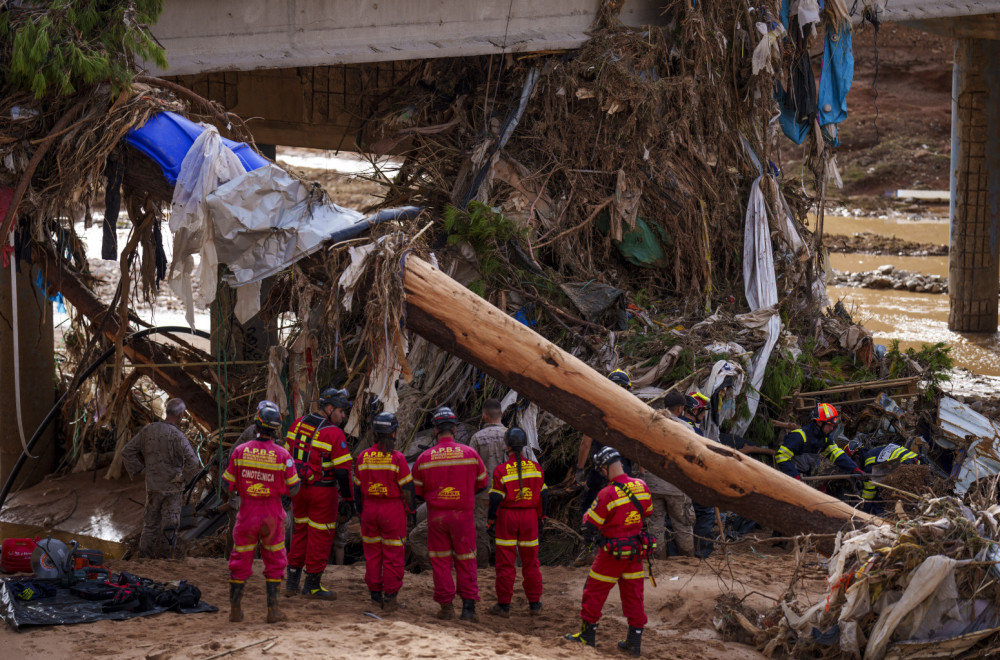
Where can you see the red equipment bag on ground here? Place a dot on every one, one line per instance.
(16, 555)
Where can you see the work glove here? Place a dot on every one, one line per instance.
(799, 477)
(411, 520)
(491, 529)
(345, 509)
(860, 472)
(580, 476)
(286, 502)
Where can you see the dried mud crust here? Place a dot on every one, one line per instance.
(869, 243)
(680, 610)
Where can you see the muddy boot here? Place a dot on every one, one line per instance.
(274, 614)
(587, 634)
(535, 609)
(447, 612)
(632, 643)
(377, 598)
(469, 611)
(235, 597)
(390, 603)
(500, 610)
(292, 582)
(313, 589)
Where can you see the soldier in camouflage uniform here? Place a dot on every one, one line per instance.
(169, 460)
(489, 444)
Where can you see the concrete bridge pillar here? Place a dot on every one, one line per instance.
(36, 363)
(974, 258)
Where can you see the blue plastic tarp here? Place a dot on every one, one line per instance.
(167, 137)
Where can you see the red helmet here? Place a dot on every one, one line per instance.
(696, 401)
(826, 413)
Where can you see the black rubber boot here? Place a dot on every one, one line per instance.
(235, 597)
(274, 613)
(390, 603)
(587, 634)
(313, 589)
(469, 611)
(377, 598)
(535, 609)
(501, 610)
(292, 581)
(447, 612)
(632, 643)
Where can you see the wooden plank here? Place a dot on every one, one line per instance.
(711, 473)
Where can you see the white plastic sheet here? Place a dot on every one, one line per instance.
(266, 220)
(761, 291)
(207, 164)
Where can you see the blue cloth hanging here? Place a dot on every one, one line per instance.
(837, 76)
(795, 130)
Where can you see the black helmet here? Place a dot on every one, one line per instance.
(331, 396)
(620, 377)
(516, 438)
(606, 457)
(268, 421)
(385, 423)
(443, 416)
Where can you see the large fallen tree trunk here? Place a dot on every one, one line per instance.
(712, 474)
(174, 382)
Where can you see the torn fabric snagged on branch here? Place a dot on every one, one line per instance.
(761, 291)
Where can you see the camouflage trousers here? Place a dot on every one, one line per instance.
(159, 523)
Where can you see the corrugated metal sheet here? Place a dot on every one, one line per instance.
(963, 423)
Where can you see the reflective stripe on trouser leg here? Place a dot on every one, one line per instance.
(452, 537)
(441, 555)
(259, 520)
(604, 573)
(314, 510)
(630, 587)
(384, 519)
(517, 533)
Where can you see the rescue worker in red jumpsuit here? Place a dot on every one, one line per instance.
(381, 480)
(323, 462)
(617, 515)
(259, 473)
(448, 476)
(518, 504)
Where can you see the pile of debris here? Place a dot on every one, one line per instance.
(924, 586)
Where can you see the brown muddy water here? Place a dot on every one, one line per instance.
(913, 318)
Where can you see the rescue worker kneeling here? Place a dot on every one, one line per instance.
(259, 473)
(617, 517)
(381, 479)
(518, 504)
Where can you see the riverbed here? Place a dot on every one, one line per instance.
(913, 318)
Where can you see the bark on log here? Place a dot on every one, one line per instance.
(174, 382)
(444, 312)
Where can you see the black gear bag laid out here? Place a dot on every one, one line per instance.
(124, 597)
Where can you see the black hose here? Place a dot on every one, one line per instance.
(86, 374)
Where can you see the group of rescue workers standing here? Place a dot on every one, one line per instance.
(504, 496)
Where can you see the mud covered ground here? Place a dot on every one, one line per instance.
(680, 610)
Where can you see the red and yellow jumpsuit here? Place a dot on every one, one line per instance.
(617, 518)
(380, 477)
(320, 451)
(448, 476)
(260, 472)
(516, 527)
